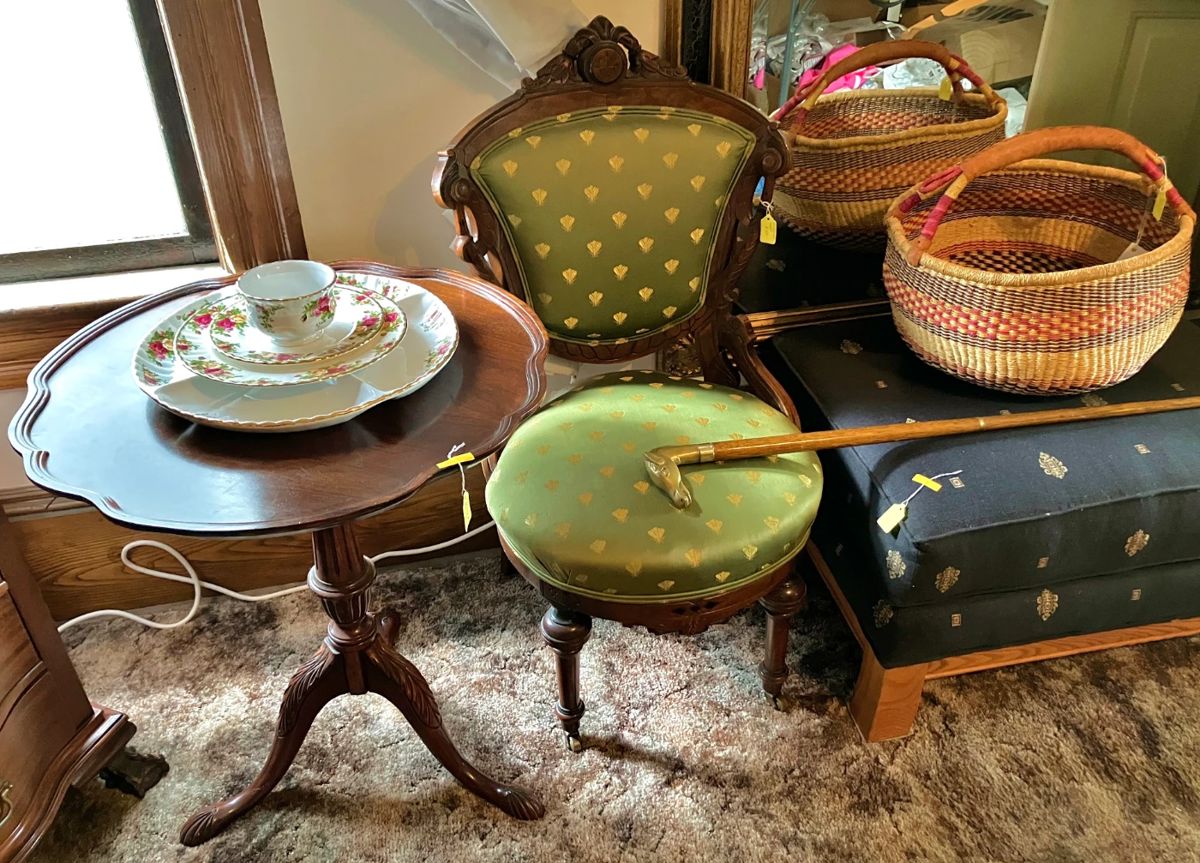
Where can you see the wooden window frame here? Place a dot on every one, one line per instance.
(196, 245)
(218, 51)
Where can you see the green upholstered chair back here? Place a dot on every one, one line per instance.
(613, 195)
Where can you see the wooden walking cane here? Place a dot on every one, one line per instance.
(662, 463)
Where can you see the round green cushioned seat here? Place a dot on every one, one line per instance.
(571, 497)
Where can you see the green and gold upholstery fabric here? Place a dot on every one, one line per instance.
(612, 214)
(571, 497)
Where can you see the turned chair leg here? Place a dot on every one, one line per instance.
(782, 604)
(566, 632)
(885, 700)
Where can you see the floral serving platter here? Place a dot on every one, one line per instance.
(357, 318)
(427, 346)
(196, 349)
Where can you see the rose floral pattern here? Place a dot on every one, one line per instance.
(319, 400)
(356, 321)
(351, 280)
(321, 308)
(196, 348)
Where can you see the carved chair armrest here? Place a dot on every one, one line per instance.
(451, 194)
(736, 336)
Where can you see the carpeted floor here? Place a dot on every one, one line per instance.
(1081, 759)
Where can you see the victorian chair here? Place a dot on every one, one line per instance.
(617, 198)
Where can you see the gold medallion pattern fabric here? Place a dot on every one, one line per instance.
(1049, 532)
(613, 212)
(571, 496)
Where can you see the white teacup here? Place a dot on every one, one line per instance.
(290, 301)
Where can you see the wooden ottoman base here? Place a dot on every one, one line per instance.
(885, 700)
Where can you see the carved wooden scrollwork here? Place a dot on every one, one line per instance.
(475, 228)
(302, 682)
(405, 675)
(602, 53)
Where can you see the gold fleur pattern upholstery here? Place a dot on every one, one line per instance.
(571, 497)
(1051, 531)
(612, 214)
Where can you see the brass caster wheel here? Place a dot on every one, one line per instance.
(573, 742)
(777, 702)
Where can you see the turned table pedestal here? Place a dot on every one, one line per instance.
(87, 431)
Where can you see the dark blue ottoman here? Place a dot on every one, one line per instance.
(1051, 540)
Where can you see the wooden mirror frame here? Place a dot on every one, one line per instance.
(605, 65)
(723, 58)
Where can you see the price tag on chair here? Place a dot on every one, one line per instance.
(768, 228)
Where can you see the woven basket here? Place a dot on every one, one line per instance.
(853, 152)
(1040, 276)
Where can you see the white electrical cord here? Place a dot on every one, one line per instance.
(194, 579)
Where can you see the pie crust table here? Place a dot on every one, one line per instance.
(87, 431)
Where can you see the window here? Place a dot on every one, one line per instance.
(97, 172)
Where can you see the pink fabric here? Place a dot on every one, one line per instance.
(849, 81)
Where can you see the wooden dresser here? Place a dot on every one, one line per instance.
(50, 734)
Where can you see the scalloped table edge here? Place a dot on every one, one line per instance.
(35, 459)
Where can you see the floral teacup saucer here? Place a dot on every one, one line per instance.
(195, 344)
(428, 346)
(357, 319)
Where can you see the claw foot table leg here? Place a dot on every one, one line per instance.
(399, 681)
(357, 657)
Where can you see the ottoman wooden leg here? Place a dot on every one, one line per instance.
(885, 700)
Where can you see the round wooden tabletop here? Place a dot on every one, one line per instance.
(86, 430)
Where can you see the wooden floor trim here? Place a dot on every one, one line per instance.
(74, 552)
(985, 660)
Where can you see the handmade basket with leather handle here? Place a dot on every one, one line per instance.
(1036, 275)
(853, 152)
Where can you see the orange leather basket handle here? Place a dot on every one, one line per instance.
(1032, 145)
(882, 53)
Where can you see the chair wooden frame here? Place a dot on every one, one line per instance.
(604, 65)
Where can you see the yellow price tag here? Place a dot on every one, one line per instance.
(466, 510)
(891, 518)
(945, 89)
(1160, 203)
(461, 458)
(931, 484)
(768, 229)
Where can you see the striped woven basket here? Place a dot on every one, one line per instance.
(1040, 276)
(853, 152)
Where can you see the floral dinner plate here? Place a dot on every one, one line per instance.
(426, 348)
(356, 320)
(195, 344)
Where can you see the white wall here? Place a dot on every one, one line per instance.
(369, 93)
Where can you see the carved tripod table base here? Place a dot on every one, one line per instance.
(357, 656)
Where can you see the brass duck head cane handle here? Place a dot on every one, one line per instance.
(662, 463)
